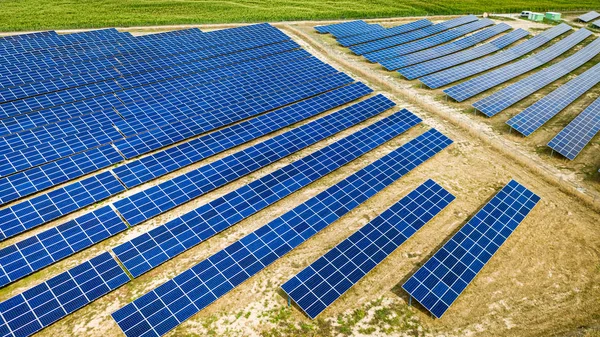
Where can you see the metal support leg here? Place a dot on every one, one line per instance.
(410, 301)
(289, 301)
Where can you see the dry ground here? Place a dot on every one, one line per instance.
(545, 280)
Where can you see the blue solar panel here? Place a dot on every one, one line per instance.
(469, 69)
(356, 31)
(32, 254)
(31, 213)
(22, 216)
(435, 65)
(387, 42)
(439, 282)
(146, 204)
(574, 137)
(63, 147)
(245, 62)
(340, 26)
(28, 182)
(388, 32)
(589, 16)
(38, 35)
(162, 243)
(156, 165)
(472, 87)
(325, 280)
(502, 99)
(46, 303)
(159, 311)
(596, 24)
(51, 174)
(432, 41)
(543, 110)
(445, 49)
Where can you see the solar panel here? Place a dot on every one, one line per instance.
(474, 86)
(63, 147)
(28, 182)
(448, 61)
(380, 34)
(329, 277)
(439, 282)
(146, 204)
(164, 242)
(106, 104)
(20, 217)
(387, 42)
(340, 26)
(162, 309)
(445, 49)
(46, 303)
(574, 137)
(158, 164)
(78, 93)
(431, 41)
(596, 24)
(502, 99)
(587, 17)
(53, 173)
(469, 69)
(543, 110)
(356, 31)
(32, 254)
(57, 203)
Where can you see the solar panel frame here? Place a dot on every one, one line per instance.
(325, 280)
(439, 282)
(162, 309)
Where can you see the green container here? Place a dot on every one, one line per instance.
(536, 17)
(553, 16)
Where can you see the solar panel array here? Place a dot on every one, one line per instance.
(510, 95)
(439, 282)
(336, 27)
(574, 137)
(164, 242)
(445, 62)
(543, 110)
(445, 49)
(388, 42)
(472, 87)
(431, 41)
(380, 34)
(596, 24)
(329, 277)
(338, 34)
(28, 214)
(589, 16)
(34, 253)
(465, 70)
(159, 311)
(44, 304)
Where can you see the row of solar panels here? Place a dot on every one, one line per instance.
(436, 63)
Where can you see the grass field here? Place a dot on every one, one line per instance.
(61, 14)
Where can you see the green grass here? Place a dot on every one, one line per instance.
(18, 15)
